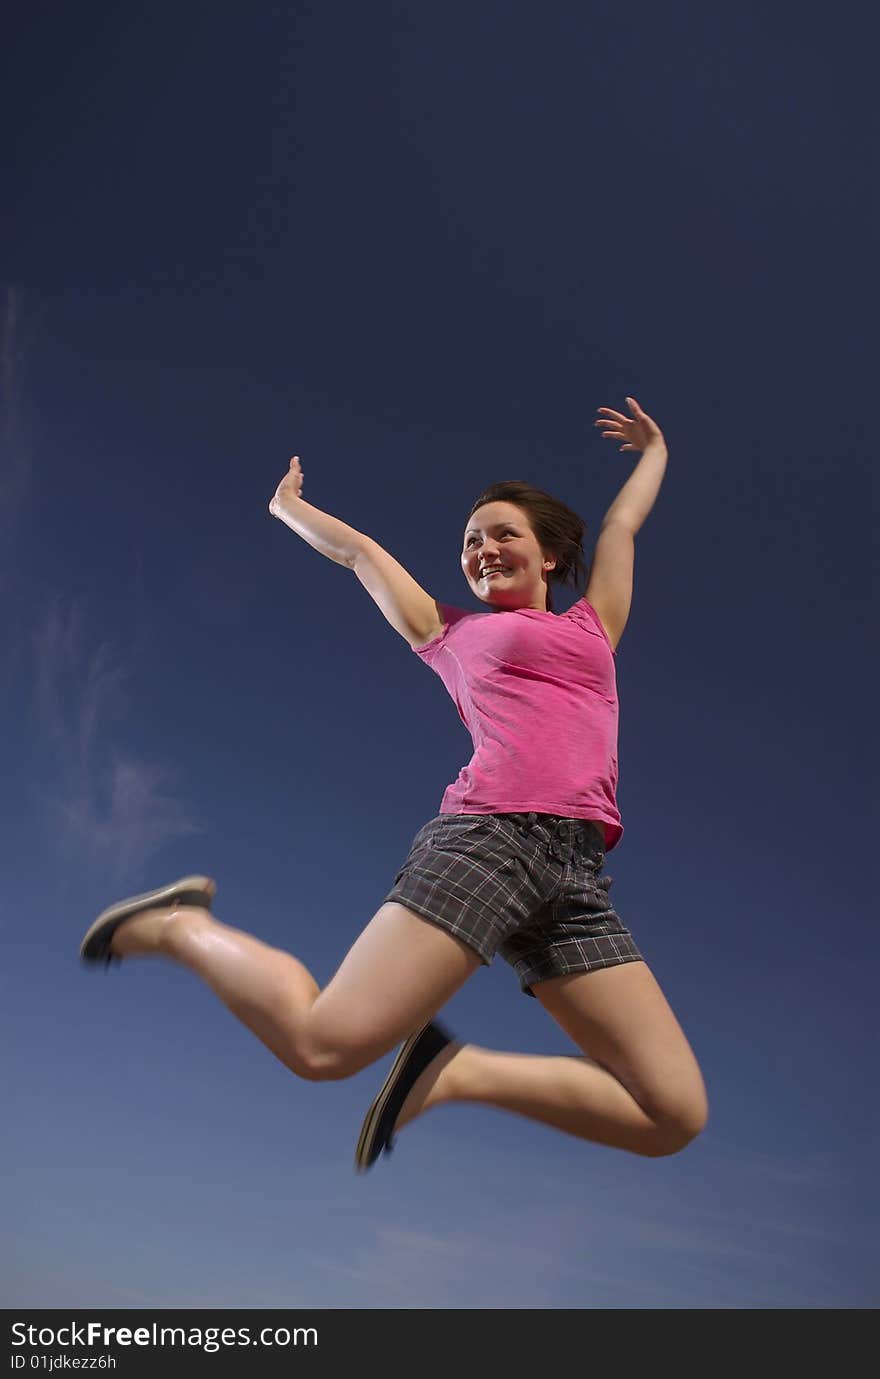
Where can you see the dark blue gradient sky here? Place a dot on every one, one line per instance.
(419, 245)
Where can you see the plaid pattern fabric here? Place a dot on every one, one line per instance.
(525, 886)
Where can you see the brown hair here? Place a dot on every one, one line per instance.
(559, 531)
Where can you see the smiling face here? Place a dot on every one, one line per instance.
(498, 534)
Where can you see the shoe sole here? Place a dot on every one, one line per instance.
(373, 1116)
(197, 890)
(366, 1140)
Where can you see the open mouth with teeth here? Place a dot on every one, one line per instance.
(494, 570)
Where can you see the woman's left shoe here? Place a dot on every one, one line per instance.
(189, 890)
(419, 1050)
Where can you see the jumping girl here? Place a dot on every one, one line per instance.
(510, 865)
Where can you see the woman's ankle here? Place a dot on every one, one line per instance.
(178, 926)
(162, 931)
(437, 1084)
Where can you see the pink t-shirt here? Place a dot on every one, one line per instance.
(537, 692)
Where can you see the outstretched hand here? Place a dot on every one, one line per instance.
(637, 432)
(290, 487)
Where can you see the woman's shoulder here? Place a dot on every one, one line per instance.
(584, 615)
(448, 615)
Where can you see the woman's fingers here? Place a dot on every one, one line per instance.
(638, 431)
(618, 427)
(621, 416)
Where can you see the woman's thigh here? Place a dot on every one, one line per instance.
(619, 1017)
(398, 973)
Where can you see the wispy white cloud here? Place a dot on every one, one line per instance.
(103, 803)
(406, 1268)
(131, 1295)
(619, 1233)
(809, 1169)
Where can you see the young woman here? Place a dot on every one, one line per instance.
(510, 864)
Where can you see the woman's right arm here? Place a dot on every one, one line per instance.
(327, 534)
(409, 610)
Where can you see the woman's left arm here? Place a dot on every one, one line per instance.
(639, 432)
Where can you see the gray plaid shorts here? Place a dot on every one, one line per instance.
(526, 886)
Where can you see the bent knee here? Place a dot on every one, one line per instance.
(319, 1065)
(676, 1130)
(328, 1063)
(328, 1055)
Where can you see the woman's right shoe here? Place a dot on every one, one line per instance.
(189, 890)
(419, 1050)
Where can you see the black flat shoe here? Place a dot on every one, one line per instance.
(189, 890)
(419, 1050)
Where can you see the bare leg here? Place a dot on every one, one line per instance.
(268, 990)
(572, 1094)
(397, 975)
(645, 1095)
(637, 1085)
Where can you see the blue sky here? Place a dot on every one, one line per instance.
(419, 246)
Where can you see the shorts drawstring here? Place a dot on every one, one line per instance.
(584, 838)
